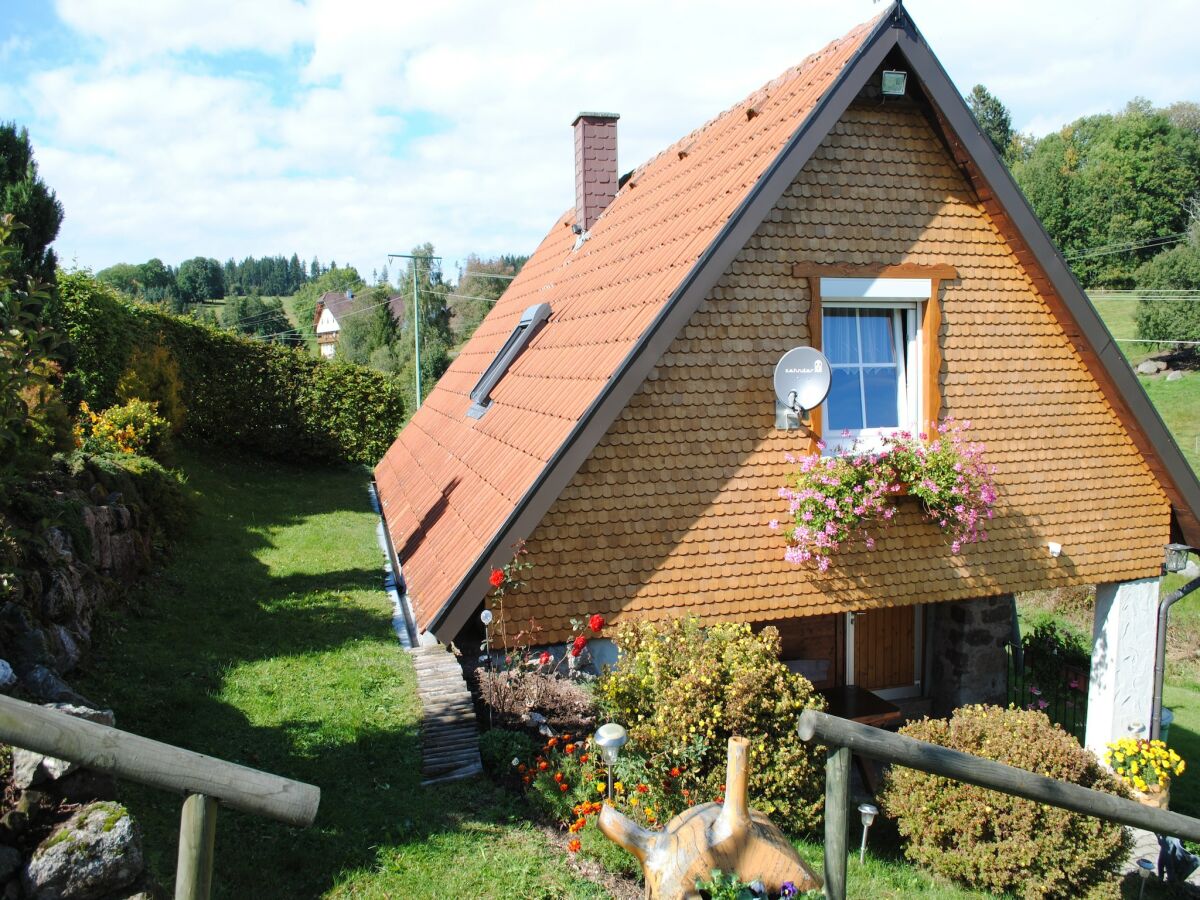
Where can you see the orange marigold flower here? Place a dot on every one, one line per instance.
(674, 771)
(573, 846)
(570, 748)
(521, 768)
(558, 776)
(643, 789)
(583, 757)
(543, 765)
(553, 742)
(563, 786)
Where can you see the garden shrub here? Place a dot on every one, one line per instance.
(683, 689)
(135, 427)
(996, 842)
(221, 388)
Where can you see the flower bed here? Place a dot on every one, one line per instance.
(838, 499)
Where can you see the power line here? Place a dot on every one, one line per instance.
(1128, 247)
(1140, 341)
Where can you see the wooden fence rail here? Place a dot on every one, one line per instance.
(204, 780)
(845, 737)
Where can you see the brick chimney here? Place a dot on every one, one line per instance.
(595, 165)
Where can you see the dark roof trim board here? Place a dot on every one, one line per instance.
(941, 91)
(645, 354)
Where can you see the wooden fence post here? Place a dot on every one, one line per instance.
(197, 836)
(837, 821)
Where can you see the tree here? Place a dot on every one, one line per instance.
(477, 291)
(1106, 186)
(200, 279)
(993, 118)
(253, 315)
(27, 198)
(1167, 318)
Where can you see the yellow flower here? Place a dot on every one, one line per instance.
(599, 787)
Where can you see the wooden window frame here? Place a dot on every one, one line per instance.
(930, 401)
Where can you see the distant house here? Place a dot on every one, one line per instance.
(616, 408)
(332, 309)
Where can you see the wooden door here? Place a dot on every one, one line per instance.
(885, 647)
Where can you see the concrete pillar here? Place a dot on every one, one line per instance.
(1121, 687)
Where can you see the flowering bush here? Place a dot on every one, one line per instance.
(683, 690)
(1147, 765)
(995, 842)
(135, 427)
(566, 783)
(833, 500)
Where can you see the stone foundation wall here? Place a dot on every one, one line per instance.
(46, 613)
(969, 663)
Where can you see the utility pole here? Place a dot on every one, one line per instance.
(416, 313)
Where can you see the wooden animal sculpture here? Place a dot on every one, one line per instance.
(731, 837)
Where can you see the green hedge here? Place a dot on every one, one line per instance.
(220, 388)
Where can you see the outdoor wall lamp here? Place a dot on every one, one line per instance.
(610, 738)
(868, 812)
(1176, 557)
(893, 83)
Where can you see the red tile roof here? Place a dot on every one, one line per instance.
(449, 482)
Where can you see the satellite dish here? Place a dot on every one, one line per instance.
(802, 379)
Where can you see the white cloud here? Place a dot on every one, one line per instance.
(153, 154)
(136, 29)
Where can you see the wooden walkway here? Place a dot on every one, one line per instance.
(449, 738)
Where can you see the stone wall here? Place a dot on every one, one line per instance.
(69, 571)
(969, 663)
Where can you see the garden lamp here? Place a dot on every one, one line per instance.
(610, 738)
(868, 812)
(1145, 867)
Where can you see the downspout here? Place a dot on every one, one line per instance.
(1160, 653)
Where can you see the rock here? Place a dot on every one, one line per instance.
(64, 647)
(25, 644)
(30, 767)
(8, 677)
(1175, 375)
(1151, 367)
(10, 861)
(27, 768)
(47, 687)
(96, 853)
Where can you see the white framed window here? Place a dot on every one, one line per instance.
(870, 331)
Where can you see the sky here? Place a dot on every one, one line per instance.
(350, 129)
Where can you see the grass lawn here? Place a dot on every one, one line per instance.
(267, 642)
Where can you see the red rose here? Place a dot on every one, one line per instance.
(596, 622)
(577, 647)
(544, 659)
(497, 577)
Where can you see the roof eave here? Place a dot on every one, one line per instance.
(595, 422)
